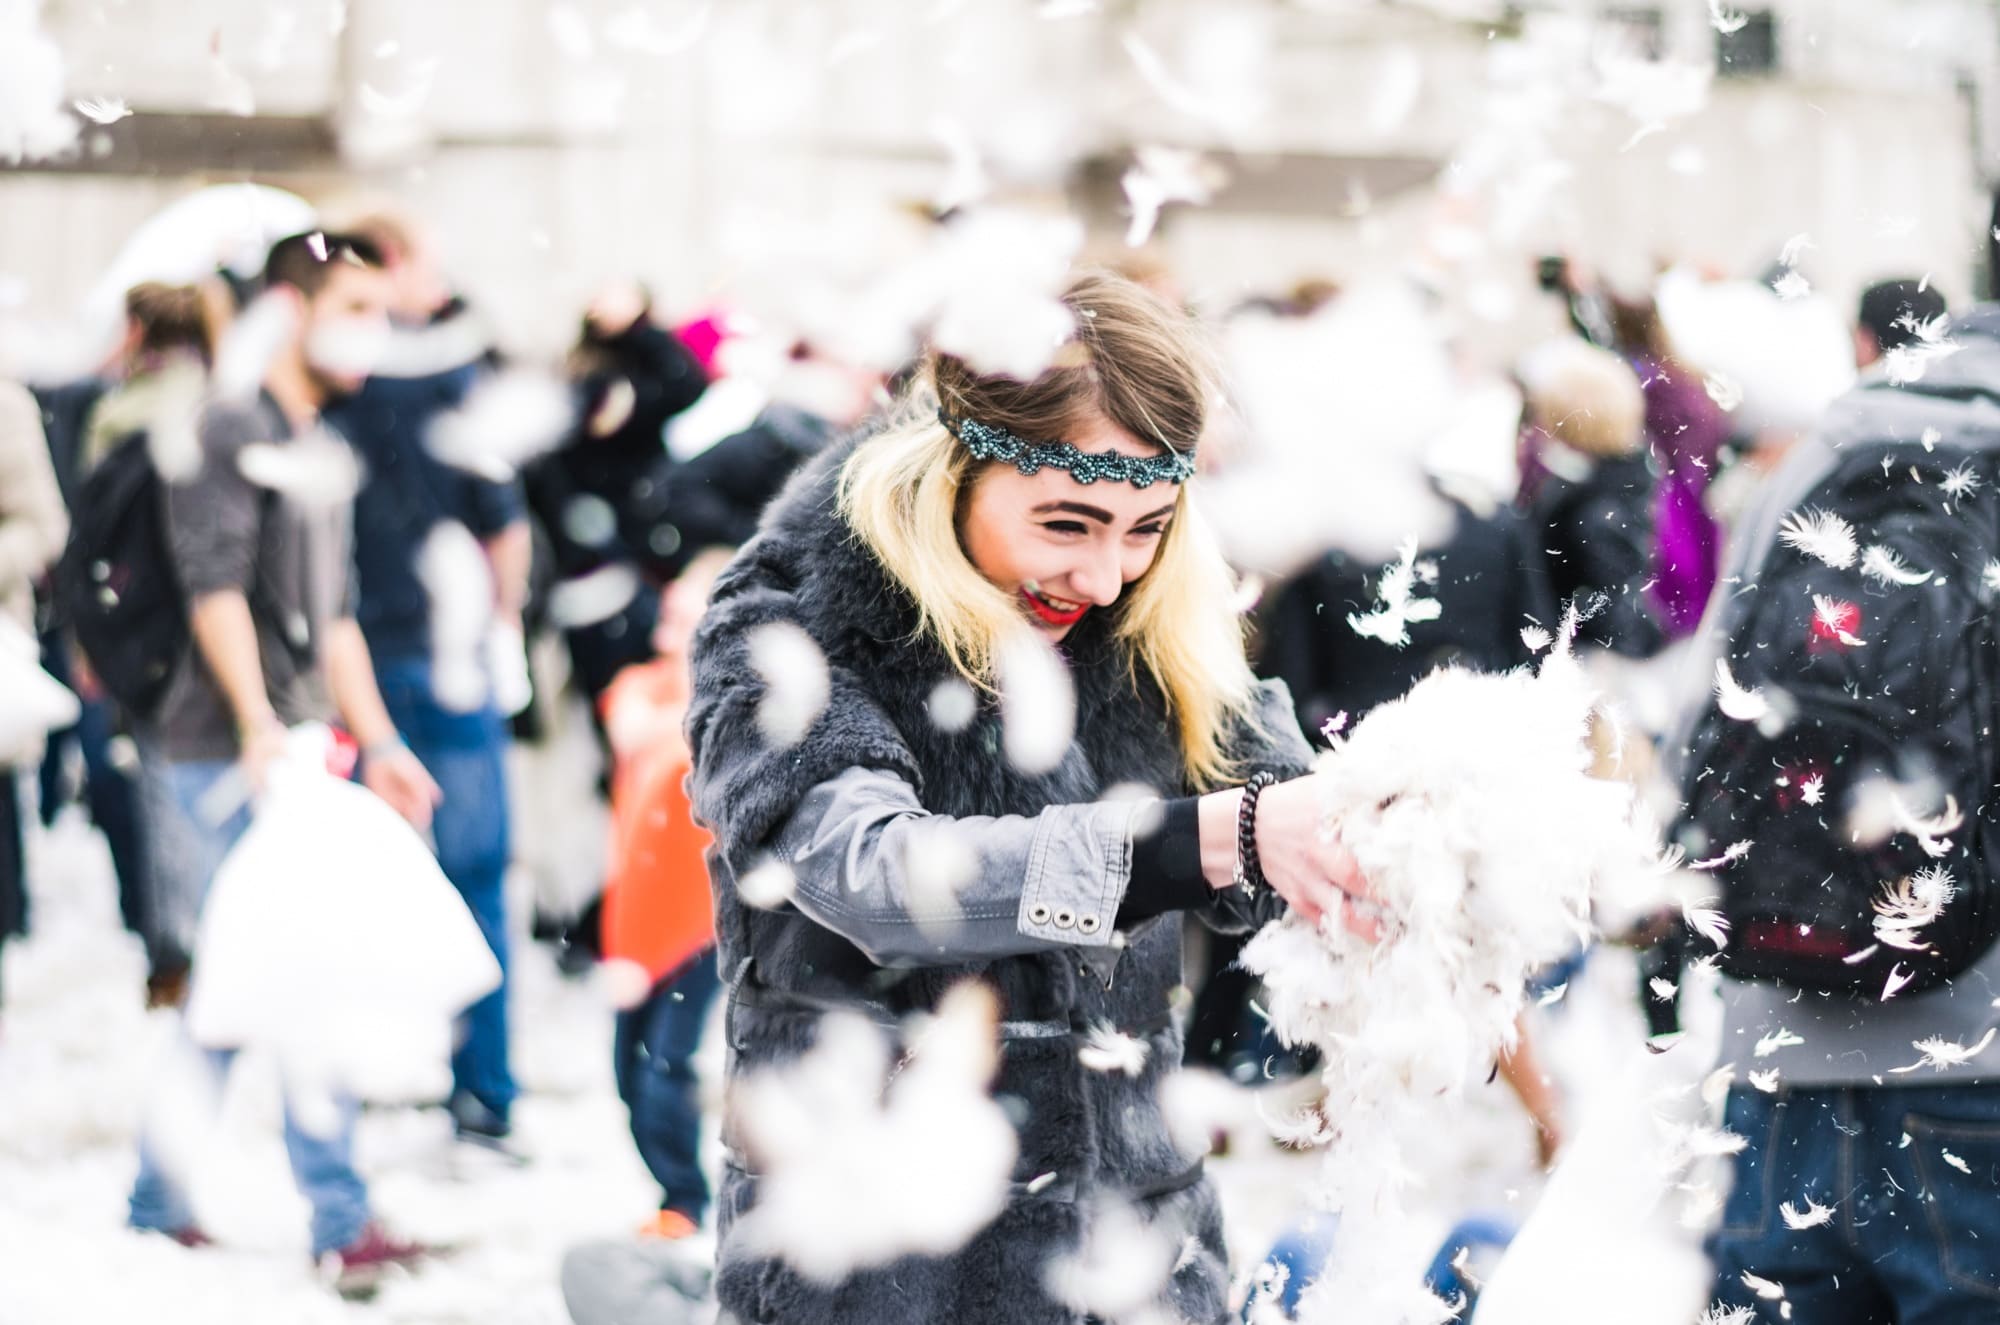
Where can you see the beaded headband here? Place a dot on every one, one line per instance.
(990, 443)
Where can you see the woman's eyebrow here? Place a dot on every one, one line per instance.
(1097, 513)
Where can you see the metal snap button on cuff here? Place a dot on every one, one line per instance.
(1065, 918)
(1088, 924)
(1038, 914)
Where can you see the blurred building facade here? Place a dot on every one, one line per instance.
(714, 147)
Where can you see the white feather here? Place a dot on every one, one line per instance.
(1812, 1216)
(1821, 535)
(1734, 700)
(1883, 564)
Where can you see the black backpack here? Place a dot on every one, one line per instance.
(115, 588)
(1910, 706)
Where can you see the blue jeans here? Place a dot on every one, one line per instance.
(322, 1164)
(466, 754)
(1914, 1240)
(653, 1058)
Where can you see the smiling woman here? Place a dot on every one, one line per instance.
(919, 854)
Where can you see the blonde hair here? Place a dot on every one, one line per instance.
(1136, 362)
(1585, 397)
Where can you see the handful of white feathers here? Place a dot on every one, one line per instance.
(1470, 807)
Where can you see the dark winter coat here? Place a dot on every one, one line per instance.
(1597, 527)
(1491, 582)
(1036, 929)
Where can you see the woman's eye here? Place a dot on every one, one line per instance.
(1149, 531)
(1065, 527)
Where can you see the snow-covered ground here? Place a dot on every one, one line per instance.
(79, 1057)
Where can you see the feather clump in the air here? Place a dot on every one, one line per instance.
(855, 1175)
(1469, 806)
(1399, 601)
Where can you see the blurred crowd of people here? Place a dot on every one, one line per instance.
(182, 545)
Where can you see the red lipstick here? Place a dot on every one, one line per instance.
(1048, 612)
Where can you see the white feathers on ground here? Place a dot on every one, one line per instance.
(458, 580)
(1037, 703)
(1821, 535)
(316, 469)
(1398, 603)
(1812, 1216)
(1161, 175)
(1734, 700)
(1108, 1049)
(796, 681)
(1943, 1055)
(1883, 564)
(860, 1166)
(505, 421)
(1776, 1040)
(1469, 808)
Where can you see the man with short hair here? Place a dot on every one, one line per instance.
(411, 511)
(267, 581)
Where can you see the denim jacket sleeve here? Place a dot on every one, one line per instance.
(909, 887)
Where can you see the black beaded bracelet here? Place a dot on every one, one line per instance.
(1249, 872)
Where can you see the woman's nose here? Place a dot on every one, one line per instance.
(1100, 579)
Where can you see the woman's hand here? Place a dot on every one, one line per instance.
(1301, 861)
(1305, 863)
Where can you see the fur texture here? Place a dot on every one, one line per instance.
(1101, 1134)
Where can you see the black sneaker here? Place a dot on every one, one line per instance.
(476, 1125)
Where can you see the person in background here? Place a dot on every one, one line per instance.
(658, 913)
(161, 381)
(267, 578)
(33, 524)
(1587, 489)
(1890, 316)
(444, 707)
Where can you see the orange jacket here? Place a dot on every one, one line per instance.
(658, 911)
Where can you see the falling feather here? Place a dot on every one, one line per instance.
(1725, 21)
(505, 421)
(1897, 979)
(1813, 790)
(1721, 1315)
(1769, 1290)
(1163, 175)
(796, 682)
(316, 470)
(1732, 853)
(1821, 535)
(1766, 1081)
(1037, 704)
(1398, 602)
(1536, 638)
(1956, 1162)
(1664, 990)
(1883, 564)
(1707, 922)
(103, 110)
(767, 885)
(1835, 618)
(1107, 1049)
(1812, 1216)
(1776, 1040)
(1735, 701)
(1960, 482)
(1942, 1055)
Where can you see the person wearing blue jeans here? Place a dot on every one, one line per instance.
(1912, 1176)
(409, 497)
(194, 843)
(652, 1057)
(466, 754)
